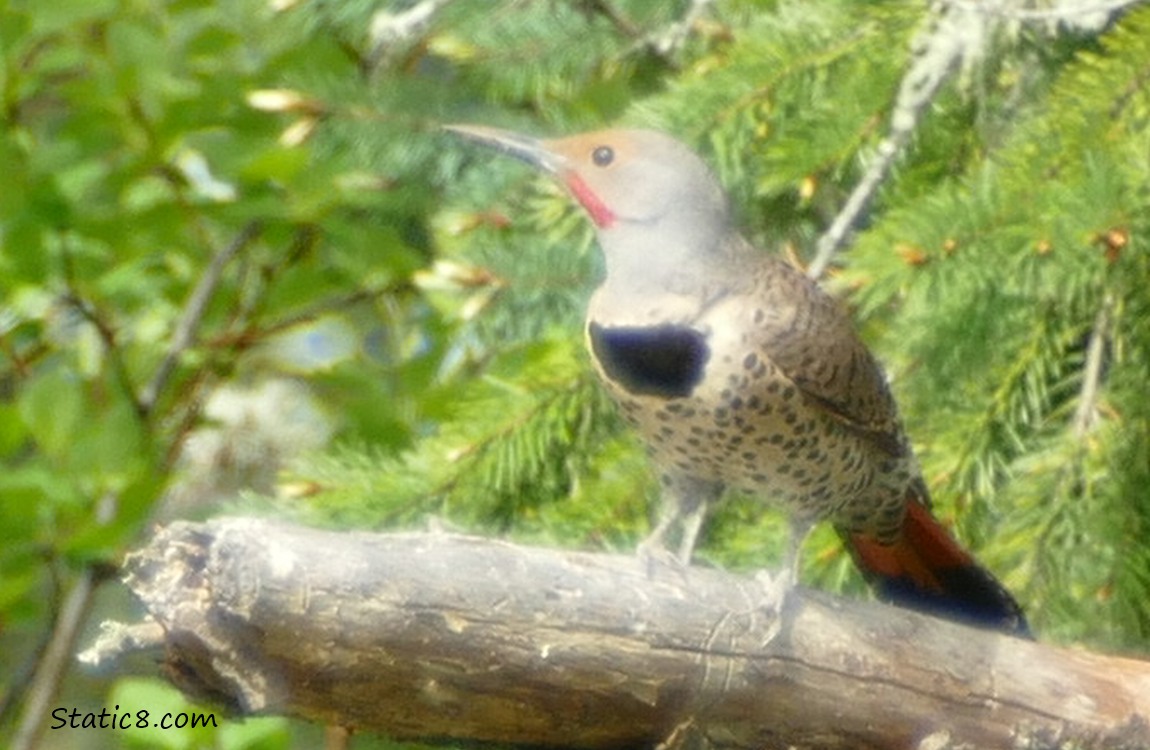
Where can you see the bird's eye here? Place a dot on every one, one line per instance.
(603, 155)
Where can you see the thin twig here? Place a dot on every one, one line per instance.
(239, 334)
(664, 44)
(73, 614)
(194, 310)
(107, 335)
(104, 329)
(1060, 11)
(56, 660)
(1086, 413)
(672, 40)
(1071, 485)
(246, 337)
(621, 23)
(948, 37)
(391, 31)
(57, 656)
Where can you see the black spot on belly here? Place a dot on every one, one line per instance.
(663, 360)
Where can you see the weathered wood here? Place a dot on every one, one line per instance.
(434, 636)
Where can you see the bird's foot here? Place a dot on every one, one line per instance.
(775, 591)
(655, 553)
(656, 557)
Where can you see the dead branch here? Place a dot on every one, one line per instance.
(435, 636)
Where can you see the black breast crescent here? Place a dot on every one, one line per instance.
(666, 360)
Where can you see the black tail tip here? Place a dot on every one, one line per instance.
(970, 595)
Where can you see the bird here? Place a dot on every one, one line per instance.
(740, 372)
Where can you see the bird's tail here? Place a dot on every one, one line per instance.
(926, 569)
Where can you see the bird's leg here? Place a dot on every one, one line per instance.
(683, 503)
(778, 586)
(690, 525)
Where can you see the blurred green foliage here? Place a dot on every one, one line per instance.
(283, 162)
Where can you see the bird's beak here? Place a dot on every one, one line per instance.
(524, 147)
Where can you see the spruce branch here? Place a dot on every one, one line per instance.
(1072, 486)
(1015, 409)
(515, 453)
(948, 38)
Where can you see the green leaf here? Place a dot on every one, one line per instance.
(148, 714)
(52, 406)
(13, 431)
(49, 17)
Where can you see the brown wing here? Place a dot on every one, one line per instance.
(812, 340)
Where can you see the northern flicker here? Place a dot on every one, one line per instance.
(740, 372)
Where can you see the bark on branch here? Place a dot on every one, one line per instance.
(436, 636)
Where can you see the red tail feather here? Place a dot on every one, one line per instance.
(926, 569)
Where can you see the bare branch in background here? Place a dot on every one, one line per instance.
(621, 23)
(671, 41)
(949, 37)
(391, 32)
(57, 657)
(665, 44)
(955, 34)
(1089, 15)
(53, 665)
(1086, 414)
(185, 333)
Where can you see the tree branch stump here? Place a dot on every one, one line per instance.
(428, 636)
